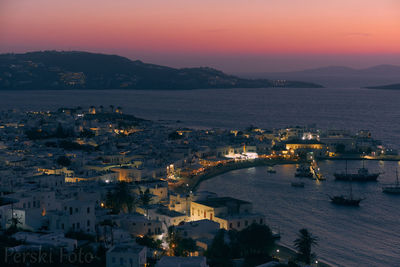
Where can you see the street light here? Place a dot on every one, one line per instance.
(277, 254)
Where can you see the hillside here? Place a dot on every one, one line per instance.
(83, 70)
(338, 76)
(395, 86)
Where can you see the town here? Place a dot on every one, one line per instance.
(94, 185)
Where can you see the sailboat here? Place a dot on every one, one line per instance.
(346, 201)
(362, 175)
(392, 189)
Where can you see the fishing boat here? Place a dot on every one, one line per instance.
(271, 169)
(362, 175)
(393, 189)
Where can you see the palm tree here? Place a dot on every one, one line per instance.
(303, 243)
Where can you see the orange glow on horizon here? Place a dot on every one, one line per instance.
(206, 26)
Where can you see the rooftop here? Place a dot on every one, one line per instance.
(299, 141)
(169, 213)
(221, 202)
(181, 261)
(122, 248)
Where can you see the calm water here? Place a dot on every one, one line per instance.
(354, 109)
(368, 236)
(364, 236)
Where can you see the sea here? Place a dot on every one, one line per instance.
(364, 236)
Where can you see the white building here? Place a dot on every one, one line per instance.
(126, 255)
(74, 216)
(182, 262)
(53, 240)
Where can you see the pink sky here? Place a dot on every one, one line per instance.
(235, 35)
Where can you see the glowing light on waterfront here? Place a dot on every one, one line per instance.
(243, 156)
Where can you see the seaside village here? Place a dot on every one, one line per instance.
(123, 188)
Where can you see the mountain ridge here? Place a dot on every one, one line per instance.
(395, 86)
(381, 69)
(84, 70)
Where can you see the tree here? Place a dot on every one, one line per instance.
(173, 238)
(256, 243)
(110, 201)
(174, 136)
(303, 244)
(149, 242)
(145, 197)
(178, 246)
(219, 253)
(121, 199)
(63, 161)
(185, 247)
(124, 198)
(87, 133)
(15, 221)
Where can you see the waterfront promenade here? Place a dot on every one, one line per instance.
(190, 184)
(186, 185)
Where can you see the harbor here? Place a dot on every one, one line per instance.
(344, 232)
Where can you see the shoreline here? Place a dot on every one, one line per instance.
(358, 157)
(288, 253)
(194, 182)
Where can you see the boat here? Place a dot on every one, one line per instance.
(297, 184)
(346, 201)
(271, 170)
(362, 175)
(393, 189)
(303, 171)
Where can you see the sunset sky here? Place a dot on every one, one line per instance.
(233, 35)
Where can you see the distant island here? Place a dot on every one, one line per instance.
(378, 70)
(337, 76)
(54, 70)
(395, 86)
